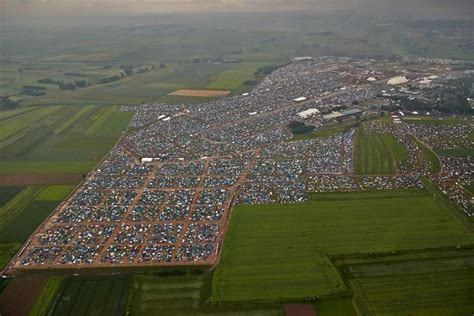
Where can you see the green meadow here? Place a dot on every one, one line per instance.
(278, 252)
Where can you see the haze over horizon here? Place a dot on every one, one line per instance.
(422, 8)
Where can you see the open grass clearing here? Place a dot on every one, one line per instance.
(456, 152)
(91, 296)
(234, 77)
(434, 282)
(17, 204)
(7, 251)
(54, 193)
(276, 251)
(8, 192)
(377, 153)
(45, 167)
(18, 123)
(185, 295)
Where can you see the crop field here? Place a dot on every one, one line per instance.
(234, 77)
(17, 204)
(6, 193)
(184, 295)
(425, 283)
(433, 121)
(70, 140)
(54, 193)
(278, 251)
(153, 295)
(21, 211)
(377, 153)
(11, 113)
(20, 294)
(341, 306)
(7, 251)
(16, 124)
(152, 86)
(46, 167)
(46, 297)
(91, 296)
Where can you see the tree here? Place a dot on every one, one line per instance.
(7, 104)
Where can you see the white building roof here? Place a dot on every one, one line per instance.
(307, 113)
(397, 80)
(300, 99)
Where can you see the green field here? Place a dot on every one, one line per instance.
(426, 283)
(377, 153)
(184, 295)
(6, 193)
(69, 140)
(154, 296)
(54, 193)
(234, 77)
(274, 252)
(48, 293)
(429, 157)
(41, 167)
(91, 296)
(329, 307)
(7, 251)
(25, 120)
(456, 152)
(221, 51)
(23, 209)
(17, 204)
(434, 120)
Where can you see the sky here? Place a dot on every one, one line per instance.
(26, 8)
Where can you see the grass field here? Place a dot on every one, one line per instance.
(184, 295)
(456, 152)
(154, 296)
(429, 156)
(6, 193)
(39, 167)
(17, 204)
(426, 283)
(434, 120)
(7, 251)
(277, 251)
(25, 120)
(23, 209)
(91, 296)
(70, 140)
(46, 297)
(54, 193)
(329, 307)
(377, 153)
(234, 77)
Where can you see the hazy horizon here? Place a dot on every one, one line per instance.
(57, 9)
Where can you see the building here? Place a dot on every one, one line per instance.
(300, 99)
(397, 80)
(307, 113)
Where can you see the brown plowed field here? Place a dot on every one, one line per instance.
(200, 93)
(39, 179)
(20, 294)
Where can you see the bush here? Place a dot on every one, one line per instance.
(67, 86)
(298, 128)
